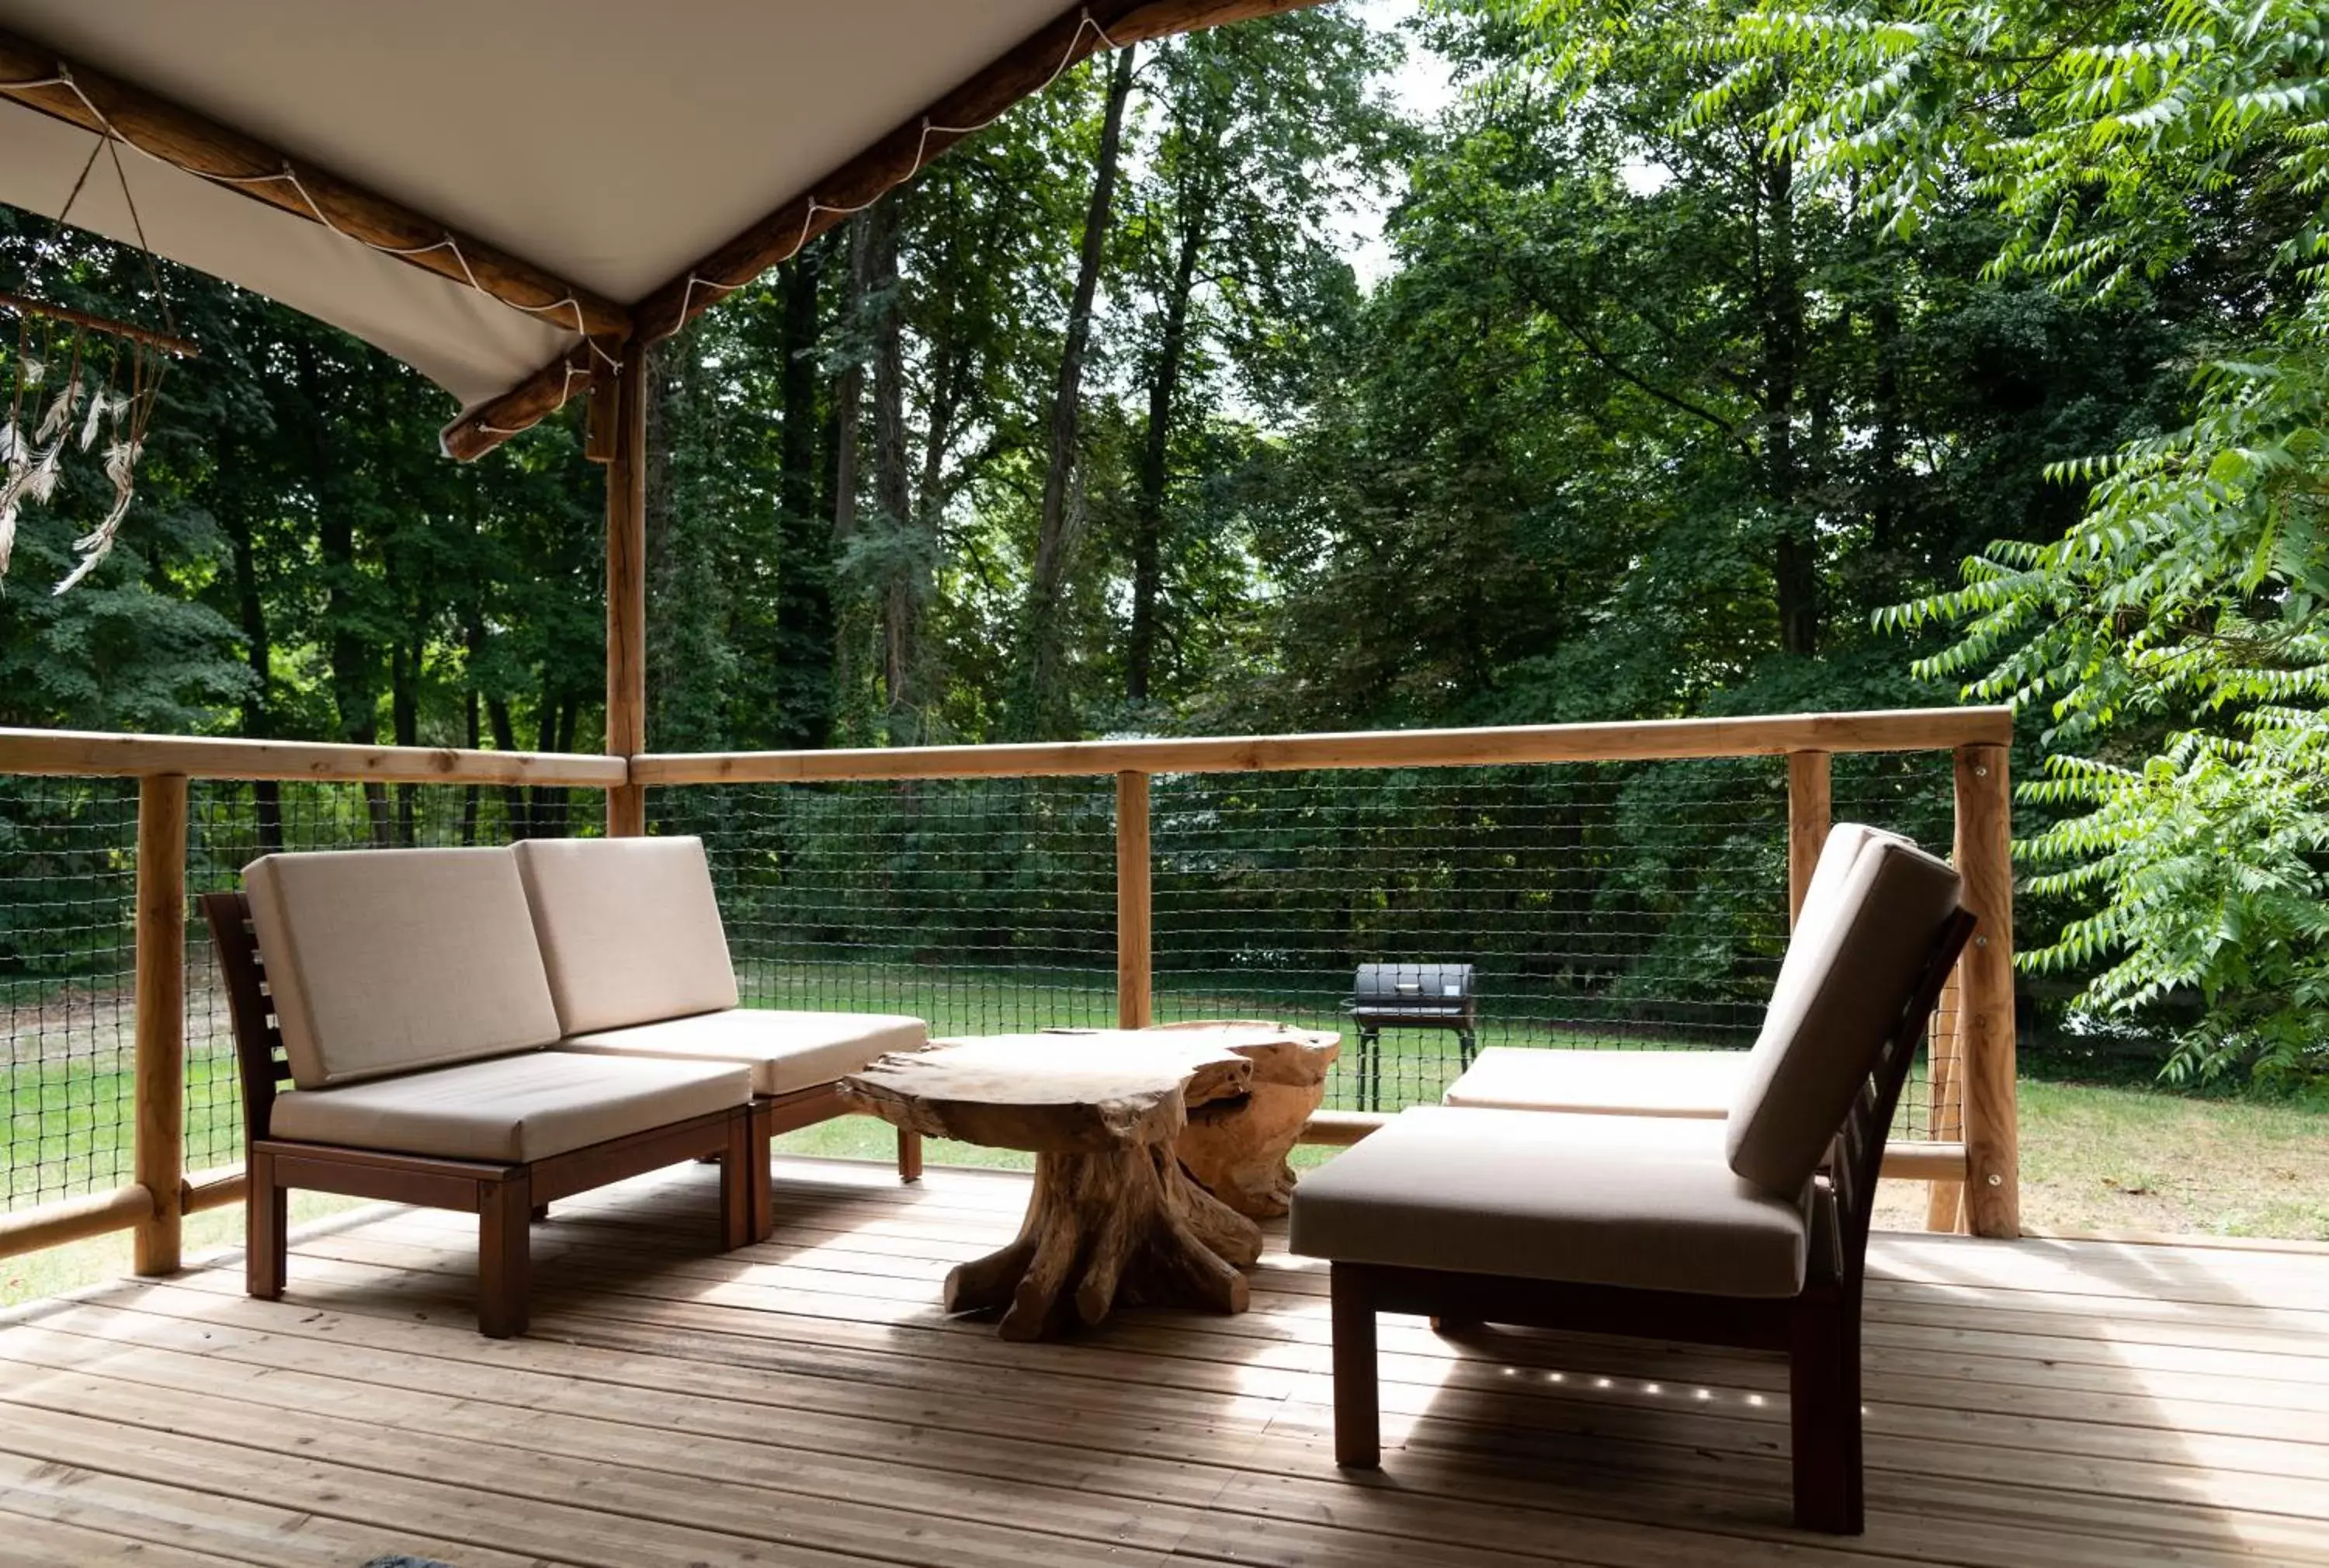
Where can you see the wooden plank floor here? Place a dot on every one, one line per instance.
(2046, 1404)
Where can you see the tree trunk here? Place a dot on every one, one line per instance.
(513, 806)
(1042, 636)
(1796, 560)
(848, 428)
(893, 487)
(1148, 514)
(1885, 448)
(405, 708)
(258, 710)
(804, 626)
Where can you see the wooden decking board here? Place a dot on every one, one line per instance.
(2233, 1376)
(2031, 1432)
(910, 1280)
(133, 1510)
(805, 1403)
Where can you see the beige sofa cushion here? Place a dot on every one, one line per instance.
(1645, 1202)
(785, 1050)
(629, 929)
(1855, 961)
(512, 1109)
(1698, 1083)
(384, 961)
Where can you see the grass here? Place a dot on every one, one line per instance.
(2095, 1156)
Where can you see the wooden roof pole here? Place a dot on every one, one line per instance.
(618, 438)
(40, 78)
(865, 179)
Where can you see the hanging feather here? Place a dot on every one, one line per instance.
(60, 411)
(121, 467)
(32, 371)
(41, 480)
(8, 537)
(98, 408)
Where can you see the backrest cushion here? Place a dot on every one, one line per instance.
(1851, 970)
(384, 961)
(629, 930)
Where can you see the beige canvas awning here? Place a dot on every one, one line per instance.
(589, 165)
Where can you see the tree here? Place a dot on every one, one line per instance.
(2174, 636)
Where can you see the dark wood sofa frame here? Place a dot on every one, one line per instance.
(505, 1199)
(1818, 1329)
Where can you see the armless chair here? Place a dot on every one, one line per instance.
(1748, 1231)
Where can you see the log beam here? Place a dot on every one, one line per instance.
(626, 589)
(40, 78)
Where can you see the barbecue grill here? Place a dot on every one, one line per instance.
(1409, 996)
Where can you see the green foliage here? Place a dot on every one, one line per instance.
(2134, 154)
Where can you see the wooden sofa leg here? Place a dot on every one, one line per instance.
(1823, 1401)
(1358, 1403)
(743, 1181)
(266, 1252)
(909, 1156)
(504, 1264)
(764, 1196)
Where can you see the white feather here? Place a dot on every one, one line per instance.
(96, 411)
(120, 466)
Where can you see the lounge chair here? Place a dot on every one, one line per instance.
(1750, 1232)
(402, 995)
(1695, 1084)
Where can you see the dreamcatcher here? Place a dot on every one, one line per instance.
(81, 387)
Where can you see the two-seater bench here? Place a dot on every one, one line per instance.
(418, 1001)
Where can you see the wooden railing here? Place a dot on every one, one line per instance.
(1974, 1183)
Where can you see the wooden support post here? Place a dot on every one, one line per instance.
(1986, 1042)
(627, 586)
(1134, 973)
(161, 1049)
(1807, 823)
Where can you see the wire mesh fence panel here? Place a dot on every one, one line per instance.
(1610, 906)
(232, 824)
(982, 906)
(68, 964)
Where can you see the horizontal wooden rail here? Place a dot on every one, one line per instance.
(212, 1189)
(1666, 739)
(75, 1219)
(87, 752)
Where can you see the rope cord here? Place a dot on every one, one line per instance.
(1068, 59)
(289, 174)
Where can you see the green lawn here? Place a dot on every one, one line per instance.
(2095, 1157)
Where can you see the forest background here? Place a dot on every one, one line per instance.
(1240, 383)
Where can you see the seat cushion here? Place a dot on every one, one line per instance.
(785, 1050)
(512, 1109)
(387, 961)
(1700, 1084)
(1644, 1202)
(1852, 967)
(629, 929)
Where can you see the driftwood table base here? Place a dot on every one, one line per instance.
(1125, 1226)
(1112, 1216)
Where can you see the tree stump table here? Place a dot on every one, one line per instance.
(1113, 1217)
(1236, 1147)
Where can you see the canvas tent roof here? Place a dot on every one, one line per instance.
(611, 145)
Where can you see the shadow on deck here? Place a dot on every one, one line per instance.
(2059, 1403)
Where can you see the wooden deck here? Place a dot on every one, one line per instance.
(2042, 1405)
